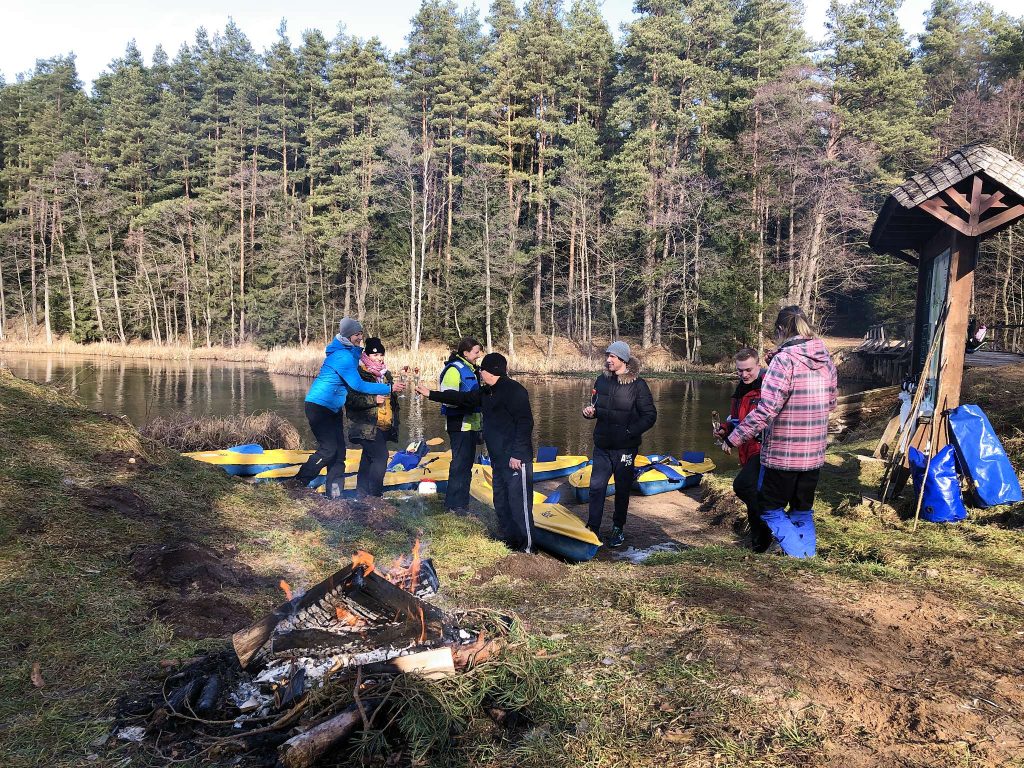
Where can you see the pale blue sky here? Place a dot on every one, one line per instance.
(98, 30)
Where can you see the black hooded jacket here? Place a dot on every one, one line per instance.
(507, 416)
(624, 408)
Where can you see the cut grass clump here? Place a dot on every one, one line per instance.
(188, 433)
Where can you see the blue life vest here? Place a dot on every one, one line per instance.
(467, 383)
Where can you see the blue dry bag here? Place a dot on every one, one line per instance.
(942, 502)
(981, 457)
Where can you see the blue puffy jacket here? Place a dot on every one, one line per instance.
(339, 374)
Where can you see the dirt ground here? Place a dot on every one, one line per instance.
(907, 676)
(674, 519)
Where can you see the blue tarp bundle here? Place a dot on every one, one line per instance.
(981, 457)
(942, 502)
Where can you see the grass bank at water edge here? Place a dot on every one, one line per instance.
(892, 647)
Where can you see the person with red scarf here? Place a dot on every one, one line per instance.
(373, 421)
(744, 400)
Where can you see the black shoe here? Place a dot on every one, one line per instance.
(616, 539)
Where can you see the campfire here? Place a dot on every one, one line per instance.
(353, 633)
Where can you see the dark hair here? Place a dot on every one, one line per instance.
(466, 344)
(792, 322)
(745, 354)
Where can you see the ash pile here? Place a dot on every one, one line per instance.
(324, 669)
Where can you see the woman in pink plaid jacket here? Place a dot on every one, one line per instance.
(797, 395)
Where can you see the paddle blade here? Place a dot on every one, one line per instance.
(435, 441)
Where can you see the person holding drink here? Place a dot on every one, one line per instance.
(622, 405)
(325, 400)
(373, 421)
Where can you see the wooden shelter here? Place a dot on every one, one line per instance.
(934, 221)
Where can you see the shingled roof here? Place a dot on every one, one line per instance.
(902, 224)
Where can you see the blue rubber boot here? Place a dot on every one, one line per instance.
(803, 542)
(780, 526)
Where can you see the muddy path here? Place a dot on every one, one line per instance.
(881, 674)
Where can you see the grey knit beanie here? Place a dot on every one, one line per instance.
(349, 327)
(620, 349)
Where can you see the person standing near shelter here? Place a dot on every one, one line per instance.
(373, 421)
(744, 400)
(798, 392)
(622, 404)
(325, 400)
(508, 434)
(463, 422)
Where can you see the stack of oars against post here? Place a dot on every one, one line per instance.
(900, 441)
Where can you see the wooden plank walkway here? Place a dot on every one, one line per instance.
(986, 359)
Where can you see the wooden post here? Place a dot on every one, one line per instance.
(954, 343)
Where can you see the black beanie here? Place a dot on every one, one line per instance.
(495, 364)
(374, 346)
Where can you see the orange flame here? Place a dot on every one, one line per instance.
(423, 625)
(348, 618)
(414, 567)
(287, 590)
(405, 576)
(365, 559)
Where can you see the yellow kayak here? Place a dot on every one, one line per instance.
(664, 474)
(555, 528)
(249, 459)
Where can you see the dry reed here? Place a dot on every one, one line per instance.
(63, 346)
(531, 356)
(188, 433)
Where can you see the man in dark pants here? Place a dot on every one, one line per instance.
(624, 408)
(463, 422)
(744, 400)
(508, 433)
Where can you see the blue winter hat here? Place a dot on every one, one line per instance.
(349, 327)
(620, 349)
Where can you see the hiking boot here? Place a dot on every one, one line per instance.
(774, 548)
(616, 538)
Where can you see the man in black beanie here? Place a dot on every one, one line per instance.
(508, 433)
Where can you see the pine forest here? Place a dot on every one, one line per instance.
(514, 171)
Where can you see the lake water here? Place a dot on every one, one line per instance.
(143, 389)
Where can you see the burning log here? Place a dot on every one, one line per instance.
(305, 749)
(356, 606)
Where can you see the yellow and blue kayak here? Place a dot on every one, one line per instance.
(661, 473)
(656, 473)
(580, 482)
(555, 528)
(250, 459)
(549, 465)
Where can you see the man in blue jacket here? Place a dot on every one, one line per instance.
(326, 398)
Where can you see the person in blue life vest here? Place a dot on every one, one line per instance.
(325, 400)
(463, 423)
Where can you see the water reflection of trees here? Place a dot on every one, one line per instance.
(143, 389)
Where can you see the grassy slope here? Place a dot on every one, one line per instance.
(629, 652)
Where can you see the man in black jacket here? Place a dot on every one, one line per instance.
(508, 434)
(622, 404)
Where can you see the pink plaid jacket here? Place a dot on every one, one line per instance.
(798, 393)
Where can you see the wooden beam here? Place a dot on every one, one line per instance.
(958, 197)
(975, 216)
(995, 200)
(937, 208)
(999, 220)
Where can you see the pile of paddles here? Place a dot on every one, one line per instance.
(557, 530)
